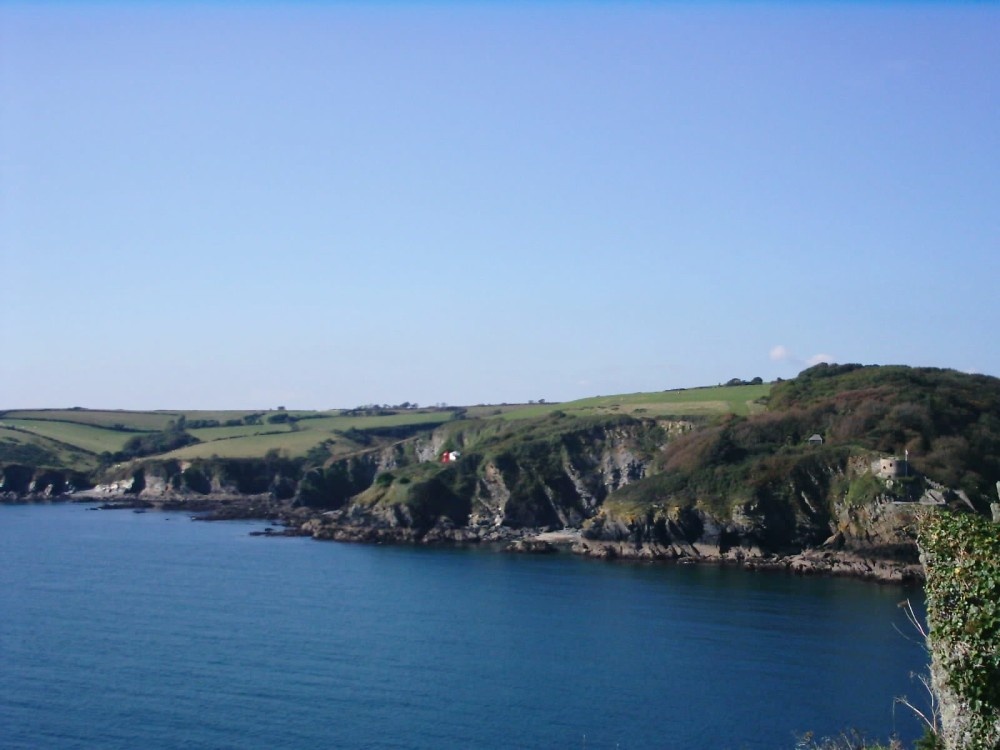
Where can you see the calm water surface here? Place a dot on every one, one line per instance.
(124, 630)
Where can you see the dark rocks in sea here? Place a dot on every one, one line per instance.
(532, 546)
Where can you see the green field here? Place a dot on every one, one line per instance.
(86, 436)
(78, 436)
(140, 421)
(19, 447)
(290, 443)
(208, 434)
(256, 440)
(222, 416)
(18, 437)
(131, 420)
(400, 419)
(687, 402)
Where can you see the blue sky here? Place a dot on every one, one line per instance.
(226, 205)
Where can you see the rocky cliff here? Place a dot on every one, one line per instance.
(605, 482)
(827, 478)
(553, 474)
(18, 481)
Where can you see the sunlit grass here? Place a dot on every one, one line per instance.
(88, 437)
(133, 420)
(689, 402)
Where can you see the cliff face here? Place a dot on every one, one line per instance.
(332, 486)
(558, 484)
(546, 480)
(808, 520)
(605, 484)
(18, 481)
(874, 540)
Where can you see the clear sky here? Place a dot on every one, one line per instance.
(229, 205)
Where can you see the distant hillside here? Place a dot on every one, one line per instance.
(89, 440)
(763, 471)
(839, 459)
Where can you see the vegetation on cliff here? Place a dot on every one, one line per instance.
(947, 423)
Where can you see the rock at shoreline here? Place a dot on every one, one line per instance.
(532, 546)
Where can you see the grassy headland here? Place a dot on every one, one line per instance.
(84, 438)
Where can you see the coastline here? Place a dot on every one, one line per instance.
(339, 526)
(828, 562)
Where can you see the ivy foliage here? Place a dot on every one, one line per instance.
(962, 563)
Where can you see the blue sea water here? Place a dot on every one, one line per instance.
(124, 630)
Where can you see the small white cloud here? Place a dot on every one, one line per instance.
(782, 353)
(817, 358)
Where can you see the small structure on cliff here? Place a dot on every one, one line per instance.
(815, 439)
(890, 468)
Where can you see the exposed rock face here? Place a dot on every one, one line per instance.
(492, 498)
(19, 482)
(430, 448)
(558, 485)
(693, 535)
(333, 486)
(510, 493)
(799, 525)
(880, 529)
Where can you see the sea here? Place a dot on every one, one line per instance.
(152, 630)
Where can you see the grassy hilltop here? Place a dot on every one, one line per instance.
(85, 439)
